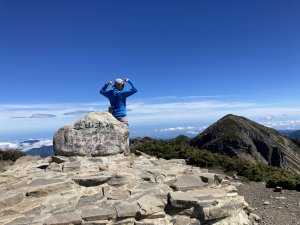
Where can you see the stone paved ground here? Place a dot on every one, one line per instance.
(115, 190)
(283, 208)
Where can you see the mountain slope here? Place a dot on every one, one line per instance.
(43, 151)
(239, 136)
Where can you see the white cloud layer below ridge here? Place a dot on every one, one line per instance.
(167, 114)
(188, 129)
(25, 146)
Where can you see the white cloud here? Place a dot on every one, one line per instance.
(38, 144)
(188, 129)
(21, 111)
(27, 145)
(174, 97)
(77, 112)
(171, 129)
(285, 124)
(9, 145)
(42, 115)
(173, 112)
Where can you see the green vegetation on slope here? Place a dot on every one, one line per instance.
(274, 176)
(11, 155)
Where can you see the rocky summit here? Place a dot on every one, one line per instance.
(115, 190)
(239, 136)
(95, 134)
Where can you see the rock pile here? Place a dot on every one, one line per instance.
(139, 190)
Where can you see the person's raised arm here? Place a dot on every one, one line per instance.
(133, 87)
(103, 90)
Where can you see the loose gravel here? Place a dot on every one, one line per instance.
(274, 208)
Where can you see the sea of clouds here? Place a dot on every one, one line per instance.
(26, 145)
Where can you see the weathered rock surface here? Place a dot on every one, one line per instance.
(113, 190)
(95, 134)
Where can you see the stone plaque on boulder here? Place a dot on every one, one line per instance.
(95, 134)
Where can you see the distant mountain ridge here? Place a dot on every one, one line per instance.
(43, 151)
(238, 136)
(295, 134)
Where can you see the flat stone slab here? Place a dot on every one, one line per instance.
(43, 181)
(183, 220)
(96, 222)
(188, 182)
(13, 185)
(208, 193)
(181, 199)
(64, 219)
(94, 214)
(125, 210)
(27, 160)
(71, 166)
(42, 186)
(21, 221)
(128, 221)
(26, 206)
(118, 194)
(149, 206)
(120, 180)
(224, 208)
(145, 186)
(89, 200)
(8, 200)
(92, 180)
(55, 167)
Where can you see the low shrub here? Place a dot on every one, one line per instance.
(11, 154)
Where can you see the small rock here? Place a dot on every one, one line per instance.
(266, 203)
(59, 159)
(225, 182)
(278, 189)
(281, 197)
(254, 217)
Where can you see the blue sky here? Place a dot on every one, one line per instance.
(193, 62)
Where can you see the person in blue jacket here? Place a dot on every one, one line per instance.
(117, 97)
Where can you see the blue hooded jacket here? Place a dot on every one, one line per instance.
(118, 97)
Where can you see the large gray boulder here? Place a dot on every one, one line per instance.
(95, 134)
